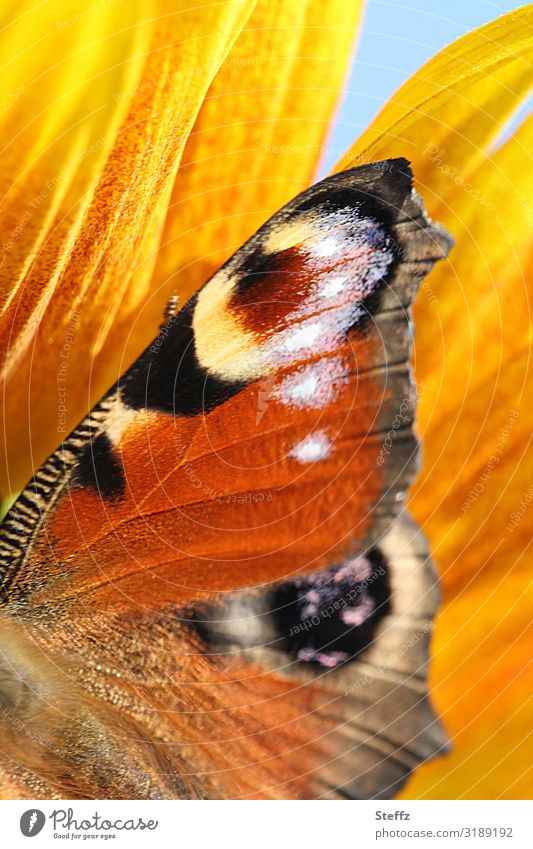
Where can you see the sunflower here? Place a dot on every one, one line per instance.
(145, 141)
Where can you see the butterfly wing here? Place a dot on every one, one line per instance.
(335, 665)
(264, 435)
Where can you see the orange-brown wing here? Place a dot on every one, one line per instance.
(265, 434)
(334, 671)
(312, 689)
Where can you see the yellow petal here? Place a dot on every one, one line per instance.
(475, 496)
(259, 135)
(481, 684)
(97, 165)
(98, 106)
(445, 117)
(473, 337)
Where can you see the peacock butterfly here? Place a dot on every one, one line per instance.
(211, 589)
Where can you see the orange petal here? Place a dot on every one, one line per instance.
(475, 496)
(81, 264)
(482, 686)
(97, 112)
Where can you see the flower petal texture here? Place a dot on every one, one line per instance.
(144, 141)
(473, 366)
(88, 177)
(259, 135)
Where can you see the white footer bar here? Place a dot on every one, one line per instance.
(263, 825)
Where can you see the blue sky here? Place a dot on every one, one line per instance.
(397, 38)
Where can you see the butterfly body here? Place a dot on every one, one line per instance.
(160, 562)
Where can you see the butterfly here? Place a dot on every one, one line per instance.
(212, 588)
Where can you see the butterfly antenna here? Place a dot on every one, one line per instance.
(172, 307)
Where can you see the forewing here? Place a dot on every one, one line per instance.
(264, 435)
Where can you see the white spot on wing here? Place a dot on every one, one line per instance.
(119, 417)
(304, 389)
(302, 336)
(314, 386)
(316, 446)
(332, 287)
(325, 246)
